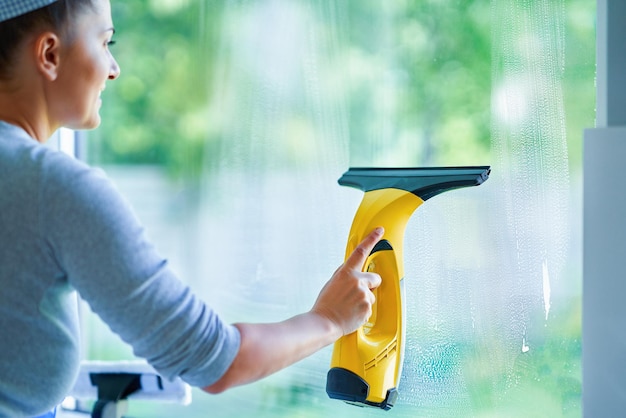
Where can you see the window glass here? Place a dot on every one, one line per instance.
(232, 121)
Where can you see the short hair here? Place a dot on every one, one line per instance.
(54, 16)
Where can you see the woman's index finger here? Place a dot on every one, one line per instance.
(363, 250)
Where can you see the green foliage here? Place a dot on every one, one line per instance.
(413, 79)
(154, 113)
(439, 69)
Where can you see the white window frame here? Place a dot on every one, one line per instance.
(604, 225)
(65, 140)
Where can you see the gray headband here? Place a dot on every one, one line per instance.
(13, 8)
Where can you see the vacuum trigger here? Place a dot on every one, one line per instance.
(382, 245)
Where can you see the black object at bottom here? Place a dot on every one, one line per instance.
(113, 387)
(347, 386)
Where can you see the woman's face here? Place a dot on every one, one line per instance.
(85, 66)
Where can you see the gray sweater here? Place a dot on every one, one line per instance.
(64, 228)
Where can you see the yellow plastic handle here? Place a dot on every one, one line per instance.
(374, 352)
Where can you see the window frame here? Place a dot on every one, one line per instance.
(603, 356)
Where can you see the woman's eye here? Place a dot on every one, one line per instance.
(110, 43)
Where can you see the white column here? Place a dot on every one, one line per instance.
(604, 224)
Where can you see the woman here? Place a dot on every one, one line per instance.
(64, 228)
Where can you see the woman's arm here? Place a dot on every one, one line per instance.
(343, 305)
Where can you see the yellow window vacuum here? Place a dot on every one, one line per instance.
(366, 365)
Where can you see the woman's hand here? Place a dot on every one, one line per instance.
(346, 300)
(343, 305)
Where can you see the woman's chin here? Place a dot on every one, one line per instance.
(90, 123)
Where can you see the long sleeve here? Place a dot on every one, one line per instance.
(103, 249)
(65, 228)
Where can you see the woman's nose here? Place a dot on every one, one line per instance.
(114, 71)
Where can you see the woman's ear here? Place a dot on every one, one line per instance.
(47, 55)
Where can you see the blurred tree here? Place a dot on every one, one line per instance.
(155, 112)
(415, 76)
(430, 99)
